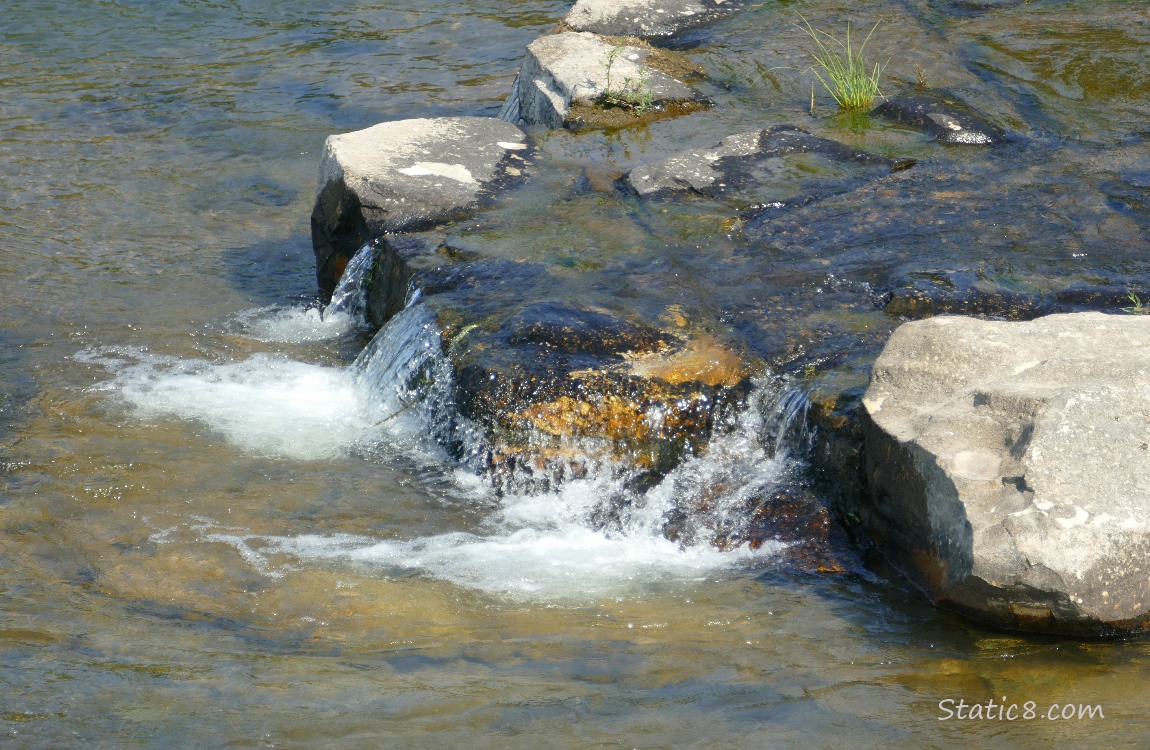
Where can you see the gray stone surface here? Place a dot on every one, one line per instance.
(1009, 468)
(406, 175)
(698, 170)
(942, 116)
(646, 18)
(572, 68)
(753, 165)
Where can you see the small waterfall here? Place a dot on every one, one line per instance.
(601, 530)
(293, 324)
(553, 546)
(706, 500)
(709, 498)
(405, 379)
(783, 426)
(350, 295)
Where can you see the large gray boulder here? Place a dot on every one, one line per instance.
(1009, 468)
(404, 176)
(562, 70)
(646, 18)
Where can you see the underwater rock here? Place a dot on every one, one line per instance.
(568, 69)
(945, 118)
(558, 384)
(405, 176)
(966, 293)
(549, 409)
(958, 293)
(646, 19)
(567, 328)
(755, 166)
(1008, 467)
(979, 6)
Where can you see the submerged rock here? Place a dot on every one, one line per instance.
(978, 6)
(403, 176)
(757, 167)
(569, 69)
(646, 18)
(1009, 468)
(958, 293)
(567, 328)
(945, 118)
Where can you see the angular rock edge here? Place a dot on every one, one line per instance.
(571, 68)
(1008, 469)
(406, 175)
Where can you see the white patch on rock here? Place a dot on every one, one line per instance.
(1080, 518)
(456, 172)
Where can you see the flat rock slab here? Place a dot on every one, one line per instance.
(406, 175)
(942, 116)
(778, 164)
(647, 19)
(562, 70)
(1009, 468)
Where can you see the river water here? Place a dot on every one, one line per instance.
(214, 534)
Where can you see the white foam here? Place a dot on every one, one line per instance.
(294, 325)
(587, 540)
(269, 405)
(590, 538)
(574, 563)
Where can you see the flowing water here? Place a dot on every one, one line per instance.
(227, 519)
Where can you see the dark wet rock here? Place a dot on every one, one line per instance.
(647, 18)
(568, 328)
(834, 419)
(969, 215)
(554, 383)
(631, 396)
(1008, 468)
(404, 176)
(961, 294)
(759, 167)
(566, 70)
(978, 6)
(545, 408)
(426, 264)
(797, 516)
(396, 259)
(942, 116)
(966, 293)
(1082, 298)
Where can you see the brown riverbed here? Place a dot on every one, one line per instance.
(206, 540)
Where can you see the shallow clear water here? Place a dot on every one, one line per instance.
(212, 534)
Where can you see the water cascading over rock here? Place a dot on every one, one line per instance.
(522, 405)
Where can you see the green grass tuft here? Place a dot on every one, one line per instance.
(841, 69)
(1136, 307)
(635, 94)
